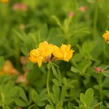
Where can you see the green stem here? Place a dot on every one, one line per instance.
(104, 49)
(48, 77)
(100, 86)
(48, 82)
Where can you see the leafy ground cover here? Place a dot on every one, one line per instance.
(54, 54)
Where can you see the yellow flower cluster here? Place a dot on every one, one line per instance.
(106, 36)
(48, 52)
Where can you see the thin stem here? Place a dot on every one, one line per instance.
(48, 81)
(104, 49)
(100, 87)
(48, 77)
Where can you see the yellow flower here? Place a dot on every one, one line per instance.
(4, 1)
(57, 53)
(67, 52)
(63, 53)
(35, 57)
(46, 49)
(49, 52)
(106, 36)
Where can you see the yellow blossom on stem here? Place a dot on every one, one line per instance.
(67, 52)
(49, 52)
(106, 36)
(63, 53)
(35, 57)
(46, 49)
(57, 53)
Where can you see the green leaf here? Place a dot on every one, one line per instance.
(34, 96)
(87, 99)
(22, 94)
(89, 95)
(74, 69)
(83, 98)
(59, 105)
(20, 102)
(56, 94)
(49, 107)
(106, 73)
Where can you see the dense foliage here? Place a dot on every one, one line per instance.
(81, 83)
